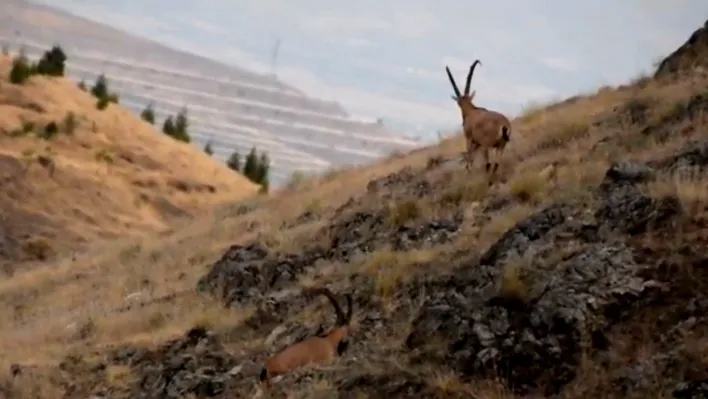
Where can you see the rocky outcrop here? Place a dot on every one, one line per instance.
(691, 55)
(585, 272)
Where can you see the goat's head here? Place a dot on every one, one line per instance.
(464, 100)
(341, 328)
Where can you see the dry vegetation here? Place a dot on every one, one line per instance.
(73, 174)
(141, 291)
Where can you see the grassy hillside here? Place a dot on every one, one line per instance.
(102, 174)
(580, 273)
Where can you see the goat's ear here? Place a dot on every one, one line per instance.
(454, 98)
(472, 95)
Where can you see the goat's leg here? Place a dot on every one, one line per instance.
(495, 164)
(472, 147)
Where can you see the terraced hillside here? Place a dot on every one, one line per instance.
(94, 175)
(581, 272)
(236, 108)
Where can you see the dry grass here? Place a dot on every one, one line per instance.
(690, 190)
(114, 174)
(141, 290)
(390, 269)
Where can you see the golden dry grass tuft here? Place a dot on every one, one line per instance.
(73, 174)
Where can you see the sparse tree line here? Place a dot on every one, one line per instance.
(176, 126)
(255, 167)
(50, 64)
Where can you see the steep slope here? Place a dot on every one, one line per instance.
(102, 175)
(580, 273)
(691, 55)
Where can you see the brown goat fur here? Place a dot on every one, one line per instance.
(314, 350)
(483, 128)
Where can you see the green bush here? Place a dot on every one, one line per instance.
(21, 70)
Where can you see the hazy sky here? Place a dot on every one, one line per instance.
(386, 57)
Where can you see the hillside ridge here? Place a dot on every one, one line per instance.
(97, 174)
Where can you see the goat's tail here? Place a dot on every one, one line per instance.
(505, 133)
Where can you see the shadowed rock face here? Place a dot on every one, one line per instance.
(252, 273)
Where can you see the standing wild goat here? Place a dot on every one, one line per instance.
(314, 350)
(482, 127)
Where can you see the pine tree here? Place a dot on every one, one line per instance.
(100, 87)
(181, 126)
(168, 127)
(250, 168)
(52, 62)
(263, 168)
(207, 148)
(234, 161)
(181, 121)
(148, 114)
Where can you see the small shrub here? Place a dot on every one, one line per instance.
(102, 93)
(69, 123)
(28, 153)
(82, 86)
(100, 87)
(17, 132)
(118, 375)
(530, 186)
(102, 103)
(104, 156)
(50, 131)
(87, 329)
(28, 126)
(38, 249)
(404, 212)
(21, 70)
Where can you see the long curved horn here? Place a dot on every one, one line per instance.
(469, 76)
(341, 318)
(452, 80)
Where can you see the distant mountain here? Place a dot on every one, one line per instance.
(234, 108)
